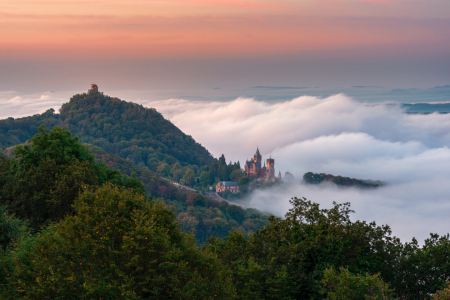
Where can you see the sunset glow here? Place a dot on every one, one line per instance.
(190, 29)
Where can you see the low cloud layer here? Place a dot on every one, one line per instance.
(17, 105)
(340, 136)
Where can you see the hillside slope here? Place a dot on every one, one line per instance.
(195, 212)
(126, 129)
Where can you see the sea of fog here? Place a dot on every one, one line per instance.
(323, 134)
(339, 136)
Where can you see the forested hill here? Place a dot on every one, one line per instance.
(126, 129)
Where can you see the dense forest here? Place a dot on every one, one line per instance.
(72, 227)
(194, 212)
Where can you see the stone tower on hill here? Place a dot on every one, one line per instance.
(94, 88)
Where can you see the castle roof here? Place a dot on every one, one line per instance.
(257, 152)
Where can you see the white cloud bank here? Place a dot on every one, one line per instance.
(339, 136)
(16, 105)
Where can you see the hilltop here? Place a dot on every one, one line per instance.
(128, 130)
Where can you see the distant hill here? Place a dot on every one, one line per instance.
(427, 108)
(125, 129)
(315, 178)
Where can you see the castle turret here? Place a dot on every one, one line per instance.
(94, 88)
(257, 156)
(270, 167)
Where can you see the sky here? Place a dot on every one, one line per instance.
(305, 80)
(186, 45)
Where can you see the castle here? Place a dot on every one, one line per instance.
(254, 169)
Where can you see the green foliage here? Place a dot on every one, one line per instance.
(116, 246)
(303, 245)
(195, 212)
(304, 249)
(18, 131)
(236, 175)
(189, 177)
(154, 185)
(206, 217)
(345, 285)
(244, 180)
(44, 177)
(56, 144)
(424, 269)
(207, 176)
(11, 228)
(163, 169)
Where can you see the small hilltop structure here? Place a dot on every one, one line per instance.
(255, 170)
(94, 87)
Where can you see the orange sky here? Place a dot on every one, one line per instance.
(68, 29)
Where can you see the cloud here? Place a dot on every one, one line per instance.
(17, 106)
(340, 136)
(248, 123)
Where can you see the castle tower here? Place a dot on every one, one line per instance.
(94, 88)
(257, 156)
(270, 167)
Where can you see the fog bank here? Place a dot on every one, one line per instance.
(339, 136)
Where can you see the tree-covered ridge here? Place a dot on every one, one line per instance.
(154, 185)
(128, 130)
(315, 178)
(195, 212)
(45, 190)
(18, 131)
